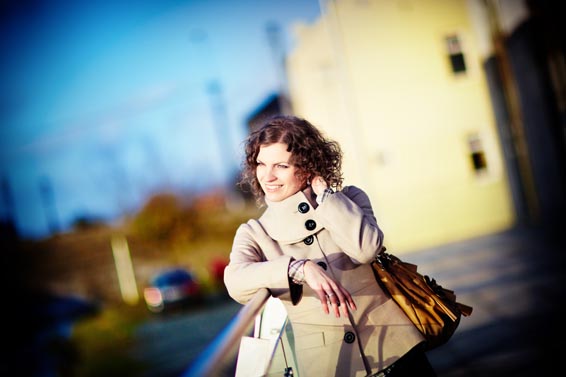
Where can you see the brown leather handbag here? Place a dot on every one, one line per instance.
(432, 308)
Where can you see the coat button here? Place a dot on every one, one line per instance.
(349, 337)
(304, 207)
(322, 264)
(309, 240)
(310, 224)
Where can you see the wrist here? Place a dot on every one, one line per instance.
(297, 271)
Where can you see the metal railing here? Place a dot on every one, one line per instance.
(218, 357)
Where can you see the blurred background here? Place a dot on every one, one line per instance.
(120, 145)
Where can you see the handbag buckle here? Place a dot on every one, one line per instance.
(382, 258)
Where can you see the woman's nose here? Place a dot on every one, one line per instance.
(269, 174)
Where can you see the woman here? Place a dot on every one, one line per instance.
(312, 248)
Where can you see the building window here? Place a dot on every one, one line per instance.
(477, 154)
(455, 54)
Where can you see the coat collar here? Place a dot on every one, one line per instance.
(291, 220)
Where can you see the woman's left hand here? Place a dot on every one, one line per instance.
(330, 292)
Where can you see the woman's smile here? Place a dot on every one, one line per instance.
(272, 188)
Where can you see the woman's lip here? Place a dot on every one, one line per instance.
(272, 187)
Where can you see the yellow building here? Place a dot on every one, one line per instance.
(400, 85)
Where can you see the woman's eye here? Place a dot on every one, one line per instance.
(282, 166)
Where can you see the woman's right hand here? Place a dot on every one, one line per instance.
(327, 289)
(318, 185)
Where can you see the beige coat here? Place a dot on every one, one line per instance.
(341, 234)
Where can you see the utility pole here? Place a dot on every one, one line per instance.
(220, 123)
(274, 38)
(8, 224)
(233, 200)
(48, 200)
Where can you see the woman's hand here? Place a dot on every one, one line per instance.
(327, 289)
(318, 185)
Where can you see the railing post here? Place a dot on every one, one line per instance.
(224, 347)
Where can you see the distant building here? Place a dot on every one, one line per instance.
(408, 89)
(273, 105)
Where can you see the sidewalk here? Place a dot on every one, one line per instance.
(515, 282)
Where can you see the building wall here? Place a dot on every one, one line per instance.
(376, 76)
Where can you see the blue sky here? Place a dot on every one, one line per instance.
(108, 101)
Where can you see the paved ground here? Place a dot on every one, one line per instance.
(516, 283)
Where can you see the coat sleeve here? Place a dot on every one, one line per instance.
(249, 270)
(349, 217)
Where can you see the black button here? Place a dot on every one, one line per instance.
(349, 337)
(304, 207)
(322, 264)
(310, 224)
(309, 240)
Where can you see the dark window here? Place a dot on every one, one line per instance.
(458, 63)
(477, 154)
(478, 159)
(455, 54)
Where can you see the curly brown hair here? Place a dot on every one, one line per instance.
(311, 152)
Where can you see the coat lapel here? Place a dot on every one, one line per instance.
(291, 220)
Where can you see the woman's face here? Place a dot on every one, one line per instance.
(276, 175)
